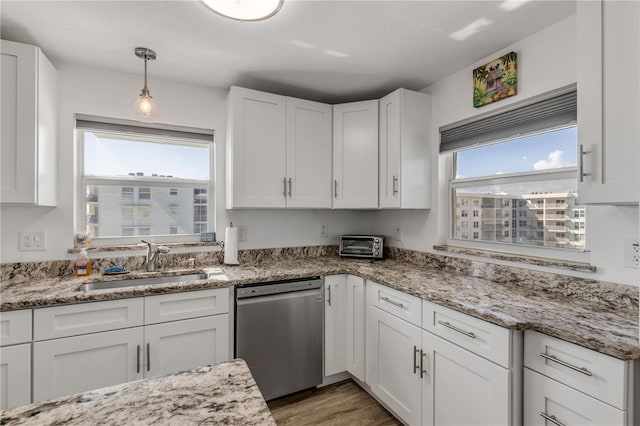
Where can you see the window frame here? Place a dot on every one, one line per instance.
(450, 184)
(81, 182)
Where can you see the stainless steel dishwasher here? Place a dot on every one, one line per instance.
(279, 334)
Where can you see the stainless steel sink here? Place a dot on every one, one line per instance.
(103, 285)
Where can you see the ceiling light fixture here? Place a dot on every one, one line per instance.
(245, 10)
(145, 108)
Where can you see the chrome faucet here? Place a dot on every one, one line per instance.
(153, 250)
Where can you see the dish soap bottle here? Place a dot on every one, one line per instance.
(83, 264)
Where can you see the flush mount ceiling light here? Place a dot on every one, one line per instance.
(245, 10)
(145, 108)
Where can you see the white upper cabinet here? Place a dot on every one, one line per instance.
(278, 151)
(255, 150)
(608, 101)
(308, 154)
(29, 126)
(405, 118)
(355, 155)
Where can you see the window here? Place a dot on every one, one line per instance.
(143, 180)
(523, 156)
(465, 213)
(475, 235)
(476, 225)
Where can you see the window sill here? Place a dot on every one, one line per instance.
(530, 260)
(127, 247)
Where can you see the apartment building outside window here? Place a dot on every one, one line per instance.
(524, 171)
(138, 180)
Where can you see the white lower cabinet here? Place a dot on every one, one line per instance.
(80, 363)
(15, 375)
(344, 339)
(180, 345)
(547, 402)
(393, 352)
(461, 388)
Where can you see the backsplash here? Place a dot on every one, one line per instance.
(546, 282)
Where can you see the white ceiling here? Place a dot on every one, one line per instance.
(333, 51)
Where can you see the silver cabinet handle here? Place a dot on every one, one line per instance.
(329, 300)
(138, 359)
(289, 187)
(386, 299)
(415, 363)
(395, 182)
(581, 159)
(335, 188)
(284, 185)
(459, 330)
(552, 419)
(148, 357)
(423, 355)
(555, 359)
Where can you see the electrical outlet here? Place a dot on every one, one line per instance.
(397, 234)
(631, 253)
(32, 241)
(242, 233)
(324, 230)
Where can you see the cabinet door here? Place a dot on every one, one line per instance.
(19, 122)
(355, 341)
(335, 332)
(308, 154)
(180, 345)
(609, 106)
(546, 399)
(15, 375)
(390, 111)
(355, 155)
(461, 388)
(29, 126)
(81, 363)
(255, 149)
(393, 348)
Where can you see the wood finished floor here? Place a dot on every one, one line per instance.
(343, 403)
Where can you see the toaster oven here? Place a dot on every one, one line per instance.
(365, 246)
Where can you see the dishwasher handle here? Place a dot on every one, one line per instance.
(279, 296)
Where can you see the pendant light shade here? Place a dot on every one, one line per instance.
(245, 10)
(144, 108)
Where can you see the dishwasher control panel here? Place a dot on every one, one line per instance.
(276, 287)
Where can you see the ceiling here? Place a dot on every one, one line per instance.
(331, 51)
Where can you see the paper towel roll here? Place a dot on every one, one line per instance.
(231, 246)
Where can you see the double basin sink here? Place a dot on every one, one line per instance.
(135, 282)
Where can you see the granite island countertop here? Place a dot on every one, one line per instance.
(590, 317)
(225, 393)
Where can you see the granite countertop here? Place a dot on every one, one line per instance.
(586, 319)
(225, 393)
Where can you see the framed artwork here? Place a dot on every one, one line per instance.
(495, 80)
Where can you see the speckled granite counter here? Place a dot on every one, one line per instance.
(602, 317)
(222, 394)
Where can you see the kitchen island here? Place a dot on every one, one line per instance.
(225, 393)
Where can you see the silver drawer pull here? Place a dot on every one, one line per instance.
(459, 330)
(553, 358)
(386, 299)
(581, 172)
(552, 419)
(415, 364)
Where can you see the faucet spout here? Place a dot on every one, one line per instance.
(153, 251)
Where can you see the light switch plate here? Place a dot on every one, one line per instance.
(324, 230)
(631, 253)
(32, 241)
(242, 233)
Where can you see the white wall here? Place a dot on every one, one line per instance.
(111, 94)
(546, 61)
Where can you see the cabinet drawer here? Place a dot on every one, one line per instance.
(192, 304)
(603, 377)
(546, 397)
(84, 318)
(15, 327)
(400, 304)
(480, 337)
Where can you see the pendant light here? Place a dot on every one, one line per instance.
(245, 10)
(145, 108)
